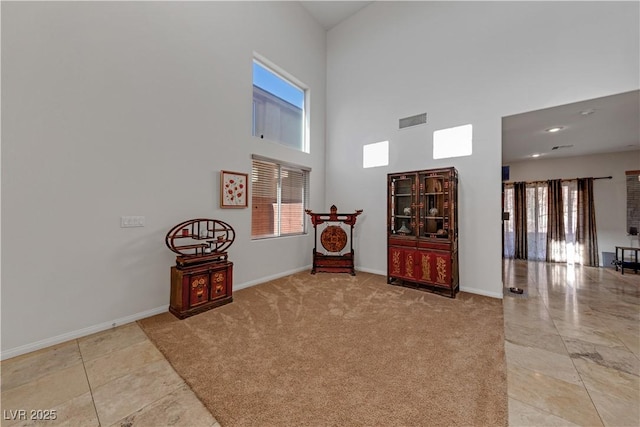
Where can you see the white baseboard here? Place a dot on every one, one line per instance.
(372, 271)
(268, 278)
(481, 292)
(364, 269)
(462, 288)
(27, 348)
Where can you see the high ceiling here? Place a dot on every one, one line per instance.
(331, 13)
(596, 126)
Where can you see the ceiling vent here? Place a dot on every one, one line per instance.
(560, 147)
(416, 120)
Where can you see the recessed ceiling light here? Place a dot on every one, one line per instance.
(555, 129)
(587, 112)
(535, 155)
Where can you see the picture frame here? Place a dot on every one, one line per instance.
(234, 189)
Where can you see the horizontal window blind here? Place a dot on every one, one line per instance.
(293, 186)
(264, 199)
(279, 198)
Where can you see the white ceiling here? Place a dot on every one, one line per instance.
(331, 13)
(613, 126)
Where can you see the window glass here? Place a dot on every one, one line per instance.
(537, 214)
(452, 142)
(278, 108)
(376, 154)
(279, 197)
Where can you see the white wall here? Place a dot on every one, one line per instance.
(610, 195)
(460, 62)
(133, 108)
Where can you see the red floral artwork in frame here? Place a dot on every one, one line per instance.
(234, 189)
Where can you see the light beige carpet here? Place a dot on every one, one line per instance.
(337, 350)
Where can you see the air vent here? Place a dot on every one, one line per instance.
(416, 120)
(560, 147)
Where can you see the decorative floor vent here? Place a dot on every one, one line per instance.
(416, 120)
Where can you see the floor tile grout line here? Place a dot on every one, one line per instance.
(91, 388)
(614, 332)
(582, 380)
(545, 304)
(540, 409)
(584, 385)
(178, 387)
(575, 367)
(590, 278)
(184, 381)
(49, 374)
(581, 376)
(84, 367)
(529, 286)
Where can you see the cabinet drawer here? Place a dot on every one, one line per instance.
(434, 244)
(399, 241)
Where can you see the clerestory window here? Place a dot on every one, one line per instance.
(279, 112)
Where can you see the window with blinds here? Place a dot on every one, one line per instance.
(279, 197)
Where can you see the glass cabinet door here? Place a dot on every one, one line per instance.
(434, 206)
(402, 205)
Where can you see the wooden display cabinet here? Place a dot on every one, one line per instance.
(422, 230)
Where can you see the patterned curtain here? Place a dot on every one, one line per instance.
(556, 239)
(520, 219)
(586, 235)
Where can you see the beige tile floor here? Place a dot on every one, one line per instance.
(112, 378)
(572, 347)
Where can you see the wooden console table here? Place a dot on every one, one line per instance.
(622, 263)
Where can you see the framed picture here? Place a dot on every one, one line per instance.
(234, 189)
